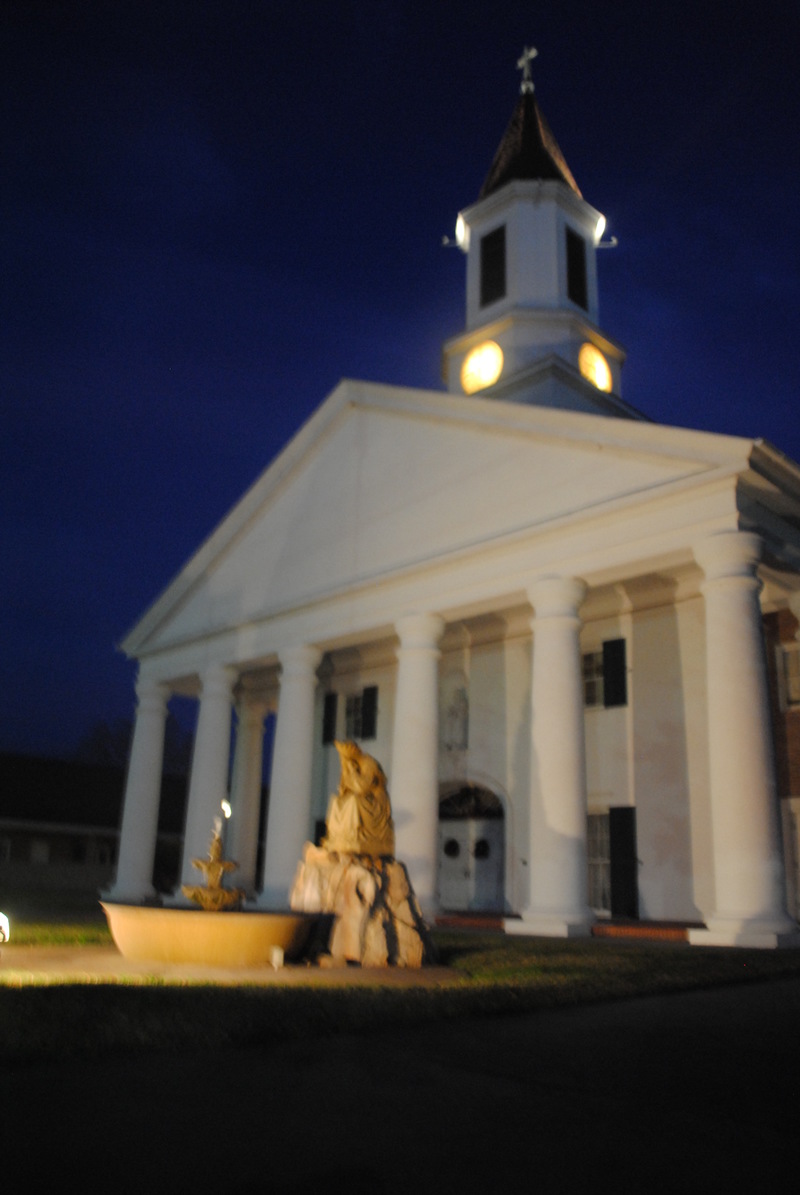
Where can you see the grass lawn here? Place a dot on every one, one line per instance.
(55, 919)
(496, 975)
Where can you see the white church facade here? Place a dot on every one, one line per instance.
(542, 613)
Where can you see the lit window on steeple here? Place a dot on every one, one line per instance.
(594, 367)
(482, 367)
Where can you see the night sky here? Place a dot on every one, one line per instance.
(212, 212)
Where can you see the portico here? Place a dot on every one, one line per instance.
(521, 650)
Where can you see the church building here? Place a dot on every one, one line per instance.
(566, 632)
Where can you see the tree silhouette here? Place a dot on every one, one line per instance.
(108, 744)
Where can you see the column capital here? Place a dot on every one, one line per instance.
(728, 554)
(299, 660)
(219, 676)
(557, 597)
(420, 630)
(149, 691)
(250, 708)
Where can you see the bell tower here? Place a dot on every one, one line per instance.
(531, 240)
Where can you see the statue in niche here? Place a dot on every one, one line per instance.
(456, 721)
(359, 820)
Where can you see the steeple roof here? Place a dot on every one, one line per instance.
(528, 149)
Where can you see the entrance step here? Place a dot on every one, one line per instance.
(493, 921)
(644, 931)
(658, 931)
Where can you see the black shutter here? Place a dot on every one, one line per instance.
(369, 712)
(329, 718)
(615, 673)
(493, 266)
(577, 284)
(624, 863)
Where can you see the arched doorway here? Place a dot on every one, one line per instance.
(471, 850)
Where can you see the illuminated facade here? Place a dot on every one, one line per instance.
(541, 613)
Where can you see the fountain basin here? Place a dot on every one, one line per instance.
(148, 933)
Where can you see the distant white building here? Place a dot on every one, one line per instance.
(540, 611)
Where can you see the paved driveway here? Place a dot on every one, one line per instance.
(696, 1091)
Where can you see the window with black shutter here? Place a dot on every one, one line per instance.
(605, 676)
(361, 714)
(613, 863)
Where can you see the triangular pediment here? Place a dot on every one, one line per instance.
(385, 479)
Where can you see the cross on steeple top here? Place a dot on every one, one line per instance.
(524, 65)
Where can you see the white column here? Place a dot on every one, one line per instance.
(208, 783)
(242, 835)
(414, 780)
(137, 847)
(290, 784)
(557, 863)
(749, 887)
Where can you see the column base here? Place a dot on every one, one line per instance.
(756, 935)
(549, 925)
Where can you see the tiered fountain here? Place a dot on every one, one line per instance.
(217, 934)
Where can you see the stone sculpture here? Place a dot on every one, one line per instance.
(354, 875)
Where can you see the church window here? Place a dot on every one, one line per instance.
(598, 850)
(361, 714)
(493, 266)
(452, 848)
(605, 677)
(613, 862)
(577, 283)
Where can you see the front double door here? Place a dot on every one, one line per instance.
(472, 864)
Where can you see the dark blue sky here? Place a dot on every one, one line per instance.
(211, 212)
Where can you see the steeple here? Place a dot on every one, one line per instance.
(532, 302)
(528, 149)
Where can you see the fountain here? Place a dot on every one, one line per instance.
(218, 933)
(351, 888)
(212, 895)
